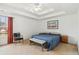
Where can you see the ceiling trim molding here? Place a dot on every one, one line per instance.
(54, 15)
(20, 9)
(16, 12)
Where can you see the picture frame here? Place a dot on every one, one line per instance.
(53, 24)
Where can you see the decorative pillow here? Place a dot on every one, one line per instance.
(49, 34)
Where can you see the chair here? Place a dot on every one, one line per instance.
(17, 37)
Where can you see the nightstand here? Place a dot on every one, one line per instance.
(64, 38)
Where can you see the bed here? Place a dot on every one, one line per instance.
(52, 39)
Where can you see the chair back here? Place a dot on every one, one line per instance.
(16, 34)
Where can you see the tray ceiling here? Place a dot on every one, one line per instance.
(43, 11)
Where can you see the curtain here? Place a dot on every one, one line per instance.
(10, 30)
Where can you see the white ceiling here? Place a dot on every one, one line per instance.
(48, 10)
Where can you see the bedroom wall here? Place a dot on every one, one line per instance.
(68, 25)
(27, 27)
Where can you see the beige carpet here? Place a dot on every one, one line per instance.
(26, 49)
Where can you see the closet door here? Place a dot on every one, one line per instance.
(10, 30)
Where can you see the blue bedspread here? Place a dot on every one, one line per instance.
(52, 40)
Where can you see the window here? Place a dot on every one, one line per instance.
(3, 23)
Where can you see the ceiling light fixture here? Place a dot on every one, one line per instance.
(37, 7)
